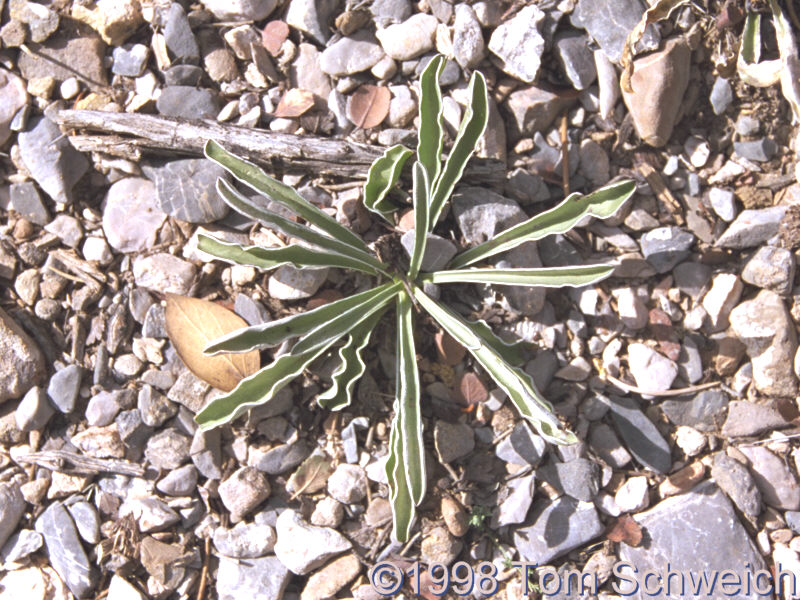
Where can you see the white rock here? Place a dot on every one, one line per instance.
(652, 371)
(119, 589)
(723, 202)
(290, 283)
(608, 83)
(697, 150)
(96, 249)
(632, 311)
(633, 495)
(468, 45)
(409, 39)
(519, 45)
(726, 289)
(302, 547)
(690, 440)
(240, 10)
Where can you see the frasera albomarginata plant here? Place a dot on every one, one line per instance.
(345, 326)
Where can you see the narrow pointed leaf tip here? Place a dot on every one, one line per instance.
(382, 177)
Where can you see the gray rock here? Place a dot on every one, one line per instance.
(513, 501)
(772, 269)
(747, 125)
(766, 329)
(723, 202)
(243, 491)
(251, 310)
(778, 485)
(188, 102)
(25, 199)
(34, 410)
(130, 60)
(411, 38)
(280, 459)
(306, 72)
(257, 578)
(183, 75)
(519, 44)
(793, 520)
(164, 273)
(12, 98)
(557, 527)
(20, 545)
(65, 552)
(641, 437)
(52, 161)
(22, 364)
(665, 247)
(186, 189)
(104, 406)
(721, 95)
(132, 431)
(735, 480)
(577, 60)
(131, 215)
(155, 325)
(155, 408)
(348, 484)
(606, 444)
(757, 150)
(206, 453)
(389, 12)
(302, 547)
(481, 213)
(64, 387)
(610, 21)
(350, 55)
(542, 368)
(594, 163)
(245, 540)
(696, 532)
(522, 447)
(179, 37)
(312, 17)
(652, 371)
(752, 227)
(526, 187)
(240, 10)
(526, 300)
(453, 440)
(151, 514)
(534, 109)
(468, 45)
(189, 391)
(748, 418)
(87, 521)
(168, 449)
(12, 507)
(67, 228)
(692, 278)
(402, 107)
(291, 283)
(705, 412)
(179, 482)
(578, 478)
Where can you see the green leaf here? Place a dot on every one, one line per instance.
(269, 258)
(514, 382)
(251, 175)
(408, 394)
(382, 177)
(421, 190)
(431, 133)
(267, 335)
(472, 127)
(403, 510)
(543, 277)
(601, 204)
(350, 369)
(273, 220)
(511, 352)
(262, 387)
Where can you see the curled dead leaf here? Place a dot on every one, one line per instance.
(294, 103)
(368, 105)
(625, 529)
(191, 325)
(471, 389)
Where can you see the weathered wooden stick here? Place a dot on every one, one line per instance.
(70, 462)
(132, 135)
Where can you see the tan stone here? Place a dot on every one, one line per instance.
(326, 582)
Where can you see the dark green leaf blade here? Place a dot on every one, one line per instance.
(431, 134)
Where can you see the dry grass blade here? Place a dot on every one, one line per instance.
(368, 106)
(191, 325)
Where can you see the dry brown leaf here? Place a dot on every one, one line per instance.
(294, 103)
(368, 106)
(450, 351)
(311, 476)
(658, 12)
(472, 390)
(625, 529)
(273, 36)
(191, 325)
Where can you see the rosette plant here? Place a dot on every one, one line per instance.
(344, 326)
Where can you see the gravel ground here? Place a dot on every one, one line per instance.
(678, 374)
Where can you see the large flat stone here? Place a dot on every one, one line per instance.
(694, 533)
